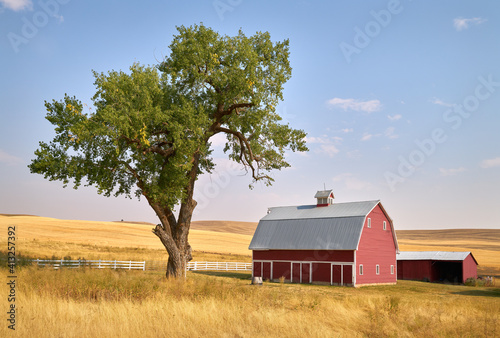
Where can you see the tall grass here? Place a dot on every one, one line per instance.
(85, 302)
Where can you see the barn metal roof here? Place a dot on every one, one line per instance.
(433, 255)
(334, 227)
(312, 211)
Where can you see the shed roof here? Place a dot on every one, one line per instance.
(434, 255)
(334, 227)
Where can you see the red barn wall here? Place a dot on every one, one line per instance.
(416, 270)
(316, 265)
(376, 246)
(469, 268)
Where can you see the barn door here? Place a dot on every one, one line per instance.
(296, 273)
(266, 271)
(305, 273)
(337, 278)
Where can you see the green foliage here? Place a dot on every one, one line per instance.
(152, 127)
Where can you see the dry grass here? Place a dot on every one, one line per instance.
(243, 228)
(85, 303)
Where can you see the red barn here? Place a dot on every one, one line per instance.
(435, 266)
(331, 243)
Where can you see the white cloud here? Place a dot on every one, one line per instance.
(366, 137)
(9, 159)
(351, 182)
(329, 149)
(17, 5)
(451, 171)
(357, 105)
(442, 103)
(326, 144)
(490, 163)
(347, 130)
(394, 117)
(312, 139)
(389, 132)
(463, 23)
(218, 140)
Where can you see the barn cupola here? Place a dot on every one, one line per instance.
(324, 198)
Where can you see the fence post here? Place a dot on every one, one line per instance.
(99, 264)
(115, 264)
(130, 265)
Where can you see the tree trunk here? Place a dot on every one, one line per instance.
(174, 233)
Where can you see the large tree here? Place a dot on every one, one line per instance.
(150, 133)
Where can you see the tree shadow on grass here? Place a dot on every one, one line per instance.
(230, 274)
(480, 293)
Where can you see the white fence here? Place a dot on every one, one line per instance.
(97, 264)
(219, 266)
(131, 265)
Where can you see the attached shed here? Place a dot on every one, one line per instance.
(435, 266)
(349, 244)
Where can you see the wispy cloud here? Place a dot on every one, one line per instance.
(442, 103)
(329, 149)
(394, 117)
(366, 137)
(451, 171)
(347, 130)
(17, 5)
(463, 23)
(490, 163)
(356, 105)
(9, 159)
(389, 133)
(327, 145)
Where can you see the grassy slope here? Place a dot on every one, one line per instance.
(50, 236)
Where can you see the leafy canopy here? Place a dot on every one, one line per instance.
(151, 128)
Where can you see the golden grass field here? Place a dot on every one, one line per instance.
(87, 302)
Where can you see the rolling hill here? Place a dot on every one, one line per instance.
(228, 237)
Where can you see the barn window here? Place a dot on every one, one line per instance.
(377, 269)
(361, 269)
(369, 225)
(392, 269)
(385, 225)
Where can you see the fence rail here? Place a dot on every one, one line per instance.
(149, 265)
(219, 266)
(96, 264)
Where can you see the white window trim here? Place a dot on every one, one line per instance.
(369, 224)
(385, 225)
(377, 269)
(392, 269)
(361, 269)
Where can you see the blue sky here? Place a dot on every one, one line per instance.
(399, 99)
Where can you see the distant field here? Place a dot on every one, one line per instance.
(33, 230)
(50, 236)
